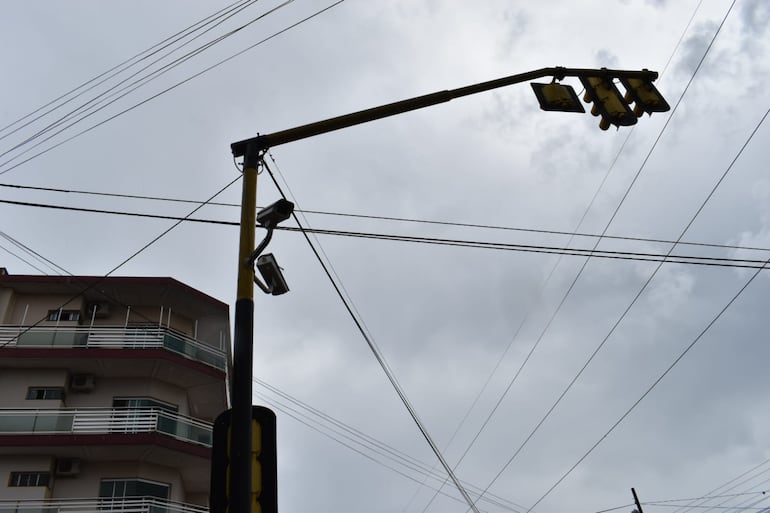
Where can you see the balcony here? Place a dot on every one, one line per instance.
(99, 505)
(106, 337)
(99, 421)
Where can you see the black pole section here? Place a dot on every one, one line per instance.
(263, 142)
(240, 437)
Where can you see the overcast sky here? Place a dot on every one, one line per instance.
(444, 317)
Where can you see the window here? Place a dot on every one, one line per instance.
(45, 393)
(29, 479)
(118, 488)
(144, 403)
(63, 315)
(127, 418)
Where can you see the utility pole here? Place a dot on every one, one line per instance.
(240, 494)
(600, 89)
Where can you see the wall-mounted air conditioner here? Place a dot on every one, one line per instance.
(82, 382)
(67, 467)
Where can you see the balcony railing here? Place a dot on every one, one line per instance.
(139, 337)
(104, 421)
(99, 505)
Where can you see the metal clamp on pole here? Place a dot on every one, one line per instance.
(269, 217)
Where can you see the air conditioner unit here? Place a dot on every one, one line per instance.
(102, 310)
(82, 383)
(67, 467)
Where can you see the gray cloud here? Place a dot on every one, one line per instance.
(443, 316)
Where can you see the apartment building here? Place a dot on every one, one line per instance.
(108, 391)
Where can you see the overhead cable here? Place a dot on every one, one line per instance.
(502, 246)
(133, 255)
(381, 361)
(164, 91)
(572, 234)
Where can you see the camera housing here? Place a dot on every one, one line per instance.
(279, 211)
(271, 273)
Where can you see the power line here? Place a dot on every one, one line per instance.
(644, 286)
(502, 246)
(338, 430)
(133, 255)
(22, 259)
(669, 502)
(133, 86)
(401, 219)
(381, 360)
(117, 69)
(649, 389)
(719, 489)
(708, 326)
(168, 89)
(218, 17)
(708, 507)
(51, 265)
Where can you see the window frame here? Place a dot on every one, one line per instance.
(55, 391)
(64, 315)
(131, 480)
(28, 479)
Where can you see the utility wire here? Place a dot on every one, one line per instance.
(763, 482)
(649, 389)
(320, 249)
(704, 498)
(133, 255)
(708, 326)
(381, 360)
(320, 421)
(350, 446)
(547, 280)
(636, 297)
(723, 487)
(358, 315)
(22, 259)
(98, 103)
(572, 234)
(168, 89)
(668, 502)
(502, 246)
(117, 69)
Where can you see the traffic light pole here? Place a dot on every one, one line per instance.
(263, 142)
(240, 489)
(243, 347)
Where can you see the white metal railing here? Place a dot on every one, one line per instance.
(100, 505)
(101, 421)
(117, 337)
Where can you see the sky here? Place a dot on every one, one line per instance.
(487, 343)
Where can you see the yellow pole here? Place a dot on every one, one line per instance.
(240, 485)
(248, 238)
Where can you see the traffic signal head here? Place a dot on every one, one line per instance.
(557, 97)
(644, 95)
(607, 102)
(264, 488)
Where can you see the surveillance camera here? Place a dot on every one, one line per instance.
(271, 273)
(279, 211)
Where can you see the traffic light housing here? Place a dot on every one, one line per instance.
(264, 483)
(607, 101)
(644, 95)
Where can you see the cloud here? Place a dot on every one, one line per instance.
(693, 47)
